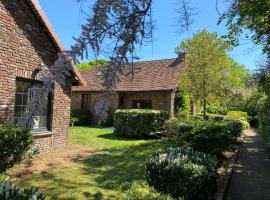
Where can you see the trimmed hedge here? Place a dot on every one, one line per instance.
(14, 143)
(232, 115)
(182, 173)
(139, 123)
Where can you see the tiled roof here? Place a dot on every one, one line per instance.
(41, 15)
(148, 76)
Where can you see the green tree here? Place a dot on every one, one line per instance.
(250, 15)
(209, 66)
(85, 66)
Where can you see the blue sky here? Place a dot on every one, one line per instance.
(66, 18)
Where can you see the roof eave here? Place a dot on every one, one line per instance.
(39, 12)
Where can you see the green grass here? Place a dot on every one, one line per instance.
(117, 161)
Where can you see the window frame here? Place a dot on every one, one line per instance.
(32, 83)
(88, 104)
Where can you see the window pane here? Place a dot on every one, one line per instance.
(19, 99)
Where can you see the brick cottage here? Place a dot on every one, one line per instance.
(28, 41)
(153, 87)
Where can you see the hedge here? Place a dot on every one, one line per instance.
(182, 173)
(237, 115)
(139, 123)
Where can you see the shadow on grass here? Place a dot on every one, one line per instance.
(114, 136)
(102, 173)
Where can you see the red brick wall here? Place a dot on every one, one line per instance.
(24, 45)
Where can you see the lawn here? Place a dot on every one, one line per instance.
(115, 162)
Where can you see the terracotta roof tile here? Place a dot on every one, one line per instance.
(148, 76)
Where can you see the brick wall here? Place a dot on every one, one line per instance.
(24, 45)
(76, 102)
(161, 100)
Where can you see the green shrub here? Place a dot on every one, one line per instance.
(182, 173)
(208, 137)
(182, 103)
(172, 126)
(139, 123)
(142, 191)
(14, 143)
(235, 128)
(109, 121)
(8, 191)
(231, 115)
(81, 117)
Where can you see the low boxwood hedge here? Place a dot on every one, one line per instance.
(182, 173)
(138, 123)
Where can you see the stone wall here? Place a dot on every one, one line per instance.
(24, 45)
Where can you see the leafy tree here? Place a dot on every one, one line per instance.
(209, 66)
(250, 15)
(85, 66)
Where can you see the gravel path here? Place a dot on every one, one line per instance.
(251, 178)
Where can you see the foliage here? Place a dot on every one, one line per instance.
(172, 126)
(231, 115)
(3, 177)
(8, 191)
(14, 143)
(215, 109)
(215, 134)
(182, 173)
(182, 103)
(235, 102)
(264, 119)
(81, 117)
(235, 127)
(85, 66)
(143, 191)
(139, 123)
(109, 121)
(210, 66)
(251, 15)
(175, 128)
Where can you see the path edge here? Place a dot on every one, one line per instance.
(222, 189)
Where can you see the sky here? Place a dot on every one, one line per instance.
(66, 17)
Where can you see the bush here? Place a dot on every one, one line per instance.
(14, 143)
(182, 103)
(182, 173)
(172, 126)
(80, 117)
(231, 115)
(235, 128)
(109, 121)
(139, 123)
(8, 191)
(208, 137)
(142, 191)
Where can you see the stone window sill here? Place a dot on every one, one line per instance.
(41, 134)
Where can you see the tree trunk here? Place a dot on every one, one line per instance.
(204, 108)
(193, 108)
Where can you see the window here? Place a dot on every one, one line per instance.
(121, 101)
(86, 101)
(25, 91)
(144, 104)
